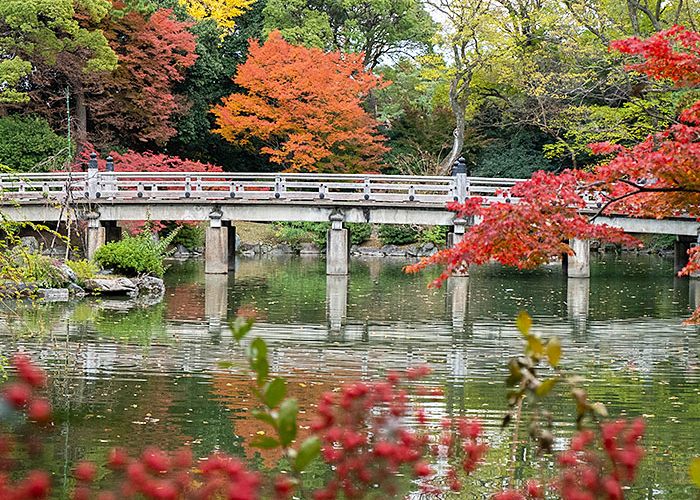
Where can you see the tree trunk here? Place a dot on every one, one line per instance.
(459, 111)
(373, 102)
(632, 12)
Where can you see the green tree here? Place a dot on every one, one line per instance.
(377, 28)
(46, 37)
(28, 142)
(210, 80)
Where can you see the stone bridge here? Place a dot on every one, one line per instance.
(104, 198)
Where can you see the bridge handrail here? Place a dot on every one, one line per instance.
(124, 185)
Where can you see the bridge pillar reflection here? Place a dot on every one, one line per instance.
(216, 245)
(336, 301)
(337, 247)
(578, 298)
(457, 297)
(216, 300)
(579, 264)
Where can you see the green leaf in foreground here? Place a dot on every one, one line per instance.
(307, 452)
(275, 392)
(695, 471)
(524, 322)
(241, 326)
(264, 417)
(288, 421)
(258, 359)
(264, 442)
(554, 351)
(545, 387)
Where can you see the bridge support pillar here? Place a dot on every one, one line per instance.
(680, 253)
(338, 248)
(231, 243)
(458, 230)
(96, 235)
(216, 249)
(579, 264)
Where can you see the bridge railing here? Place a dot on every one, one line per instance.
(50, 186)
(256, 186)
(165, 186)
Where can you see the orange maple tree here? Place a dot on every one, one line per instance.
(303, 108)
(657, 178)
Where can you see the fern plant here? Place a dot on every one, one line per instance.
(136, 255)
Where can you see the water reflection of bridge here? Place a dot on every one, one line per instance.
(462, 339)
(457, 296)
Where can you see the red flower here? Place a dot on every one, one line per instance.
(85, 471)
(18, 394)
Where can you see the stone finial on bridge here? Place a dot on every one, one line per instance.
(93, 178)
(92, 164)
(109, 166)
(460, 166)
(459, 172)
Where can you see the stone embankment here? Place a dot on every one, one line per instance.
(258, 249)
(143, 290)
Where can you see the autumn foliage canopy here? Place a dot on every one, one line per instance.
(303, 108)
(657, 178)
(138, 98)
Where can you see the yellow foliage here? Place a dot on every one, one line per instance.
(223, 12)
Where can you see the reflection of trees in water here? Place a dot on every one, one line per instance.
(110, 360)
(185, 302)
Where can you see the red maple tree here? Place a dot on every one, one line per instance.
(303, 108)
(659, 177)
(137, 101)
(131, 161)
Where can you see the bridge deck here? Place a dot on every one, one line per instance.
(265, 197)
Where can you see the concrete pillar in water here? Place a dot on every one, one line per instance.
(216, 300)
(336, 301)
(231, 243)
(454, 237)
(337, 248)
(680, 253)
(578, 298)
(694, 293)
(95, 235)
(216, 250)
(579, 264)
(457, 296)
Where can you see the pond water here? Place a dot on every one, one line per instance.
(152, 375)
